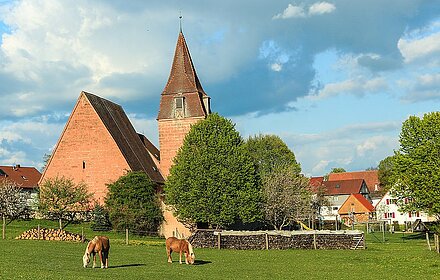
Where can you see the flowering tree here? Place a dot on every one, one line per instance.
(287, 198)
(61, 199)
(13, 202)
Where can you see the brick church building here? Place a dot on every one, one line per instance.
(99, 144)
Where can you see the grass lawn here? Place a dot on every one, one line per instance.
(398, 258)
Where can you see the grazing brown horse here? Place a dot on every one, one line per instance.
(100, 245)
(182, 246)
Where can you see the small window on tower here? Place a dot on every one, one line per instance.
(84, 164)
(179, 107)
(179, 103)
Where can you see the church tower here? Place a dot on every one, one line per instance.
(183, 103)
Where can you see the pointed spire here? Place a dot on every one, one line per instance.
(183, 77)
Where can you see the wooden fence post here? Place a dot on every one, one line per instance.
(437, 245)
(38, 232)
(4, 227)
(126, 236)
(436, 242)
(82, 234)
(364, 236)
(427, 240)
(267, 241)
(314, 240)
(218, 240)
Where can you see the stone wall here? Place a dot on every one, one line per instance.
(258, 240)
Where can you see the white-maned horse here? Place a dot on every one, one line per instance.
(182, 246)
(100, 245)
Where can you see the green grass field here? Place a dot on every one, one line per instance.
(398, 258)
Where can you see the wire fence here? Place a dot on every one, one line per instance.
(50, 230)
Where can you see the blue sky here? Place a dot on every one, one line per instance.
(334, 79)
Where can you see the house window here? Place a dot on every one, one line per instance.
(385, 215)
(388, 201)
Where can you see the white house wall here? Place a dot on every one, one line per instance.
(386, 209)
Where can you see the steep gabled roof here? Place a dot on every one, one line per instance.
(364, 201)
(370, 177)
(361, 200)
(150, 146)
(24, 177)
(316, 181)
(183, 82)
(126, 138)
(343, 186)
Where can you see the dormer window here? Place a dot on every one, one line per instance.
(179, 107)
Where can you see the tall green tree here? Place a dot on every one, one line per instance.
(60, 198)
(416, 165)
(132, 202)
(270, 152)
(213, 179)
(385, 173)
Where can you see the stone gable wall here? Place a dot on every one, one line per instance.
(85, 138)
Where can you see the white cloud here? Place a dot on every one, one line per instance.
(320, 167)
(359, 86)
(294, 11)
(371, 144)
(425, 87)
(416, 49)
(321, 8)
(291, 11)
(277, 67)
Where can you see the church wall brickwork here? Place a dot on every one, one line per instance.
(87, 152)
(171, 135)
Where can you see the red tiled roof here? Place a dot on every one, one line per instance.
(183, 81)
(343, 186)
(316, 181)
(371, 177)
(364, 201)
(25, 177)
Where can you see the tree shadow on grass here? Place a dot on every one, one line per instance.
(127, 265)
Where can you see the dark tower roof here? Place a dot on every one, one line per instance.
(183, 81)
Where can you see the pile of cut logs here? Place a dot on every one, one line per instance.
(50, 234)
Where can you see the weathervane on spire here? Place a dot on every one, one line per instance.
(180, 21)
